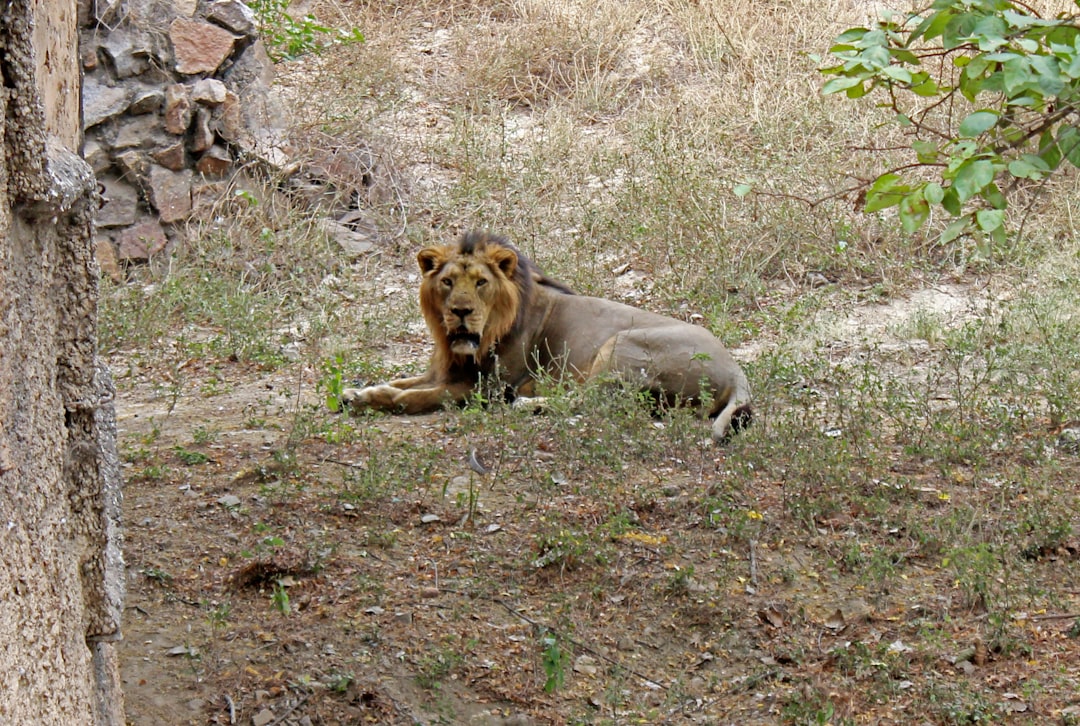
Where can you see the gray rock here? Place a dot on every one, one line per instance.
(173, 156)
(132, 163)
(148, 99)
(209, 92)
(120, 204)
(96, 156)
(130, 52)
(106, 258)
(202, 137)
(137, 132)
(101, 101)
(233, 15)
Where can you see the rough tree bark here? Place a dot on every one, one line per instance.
(61, 572)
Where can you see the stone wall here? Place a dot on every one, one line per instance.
(176, 94)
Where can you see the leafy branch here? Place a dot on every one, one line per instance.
(989, 93)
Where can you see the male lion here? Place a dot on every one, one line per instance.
(492, 313)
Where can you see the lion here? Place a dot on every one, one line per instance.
(495, 316)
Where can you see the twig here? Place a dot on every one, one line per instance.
(1059, 616)
(232, 708)
(562, 636)
(753, 562)
(291, 708)
(345, 463)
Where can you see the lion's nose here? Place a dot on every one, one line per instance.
(461, 313)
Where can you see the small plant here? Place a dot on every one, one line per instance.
(190, 458)
(287, 37)
(436, 666)
(339, 682)
(332, 382)
(218, 617)
(203, 435)
(556, 662)
(157, 574)
(280, 599)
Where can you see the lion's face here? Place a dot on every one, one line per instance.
(468, 296)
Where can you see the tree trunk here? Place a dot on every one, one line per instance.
(61, 572)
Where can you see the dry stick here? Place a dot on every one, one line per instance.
(232, 708)
(573, 641)
(1060, 616)
(292, 708)
(753, 562)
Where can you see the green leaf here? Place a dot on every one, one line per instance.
(741, 190)
(933, 26)
(1028, 45)
(851, 35)
(897, 73)
(1048, 74)
(990, 31)
(977, 67)
(955, 229)
(990, 219)
(977, 124)
(927, 88)
(926, 151)
(958, 30)
(1023, 20)
(951, 202)
(1029, 166)
(840, 84)
(913, 212)
(933, 193)
(1017, 75)
(994, 196)
(972, 178)
(1069, 141)
(885, 192)
(1049, 151)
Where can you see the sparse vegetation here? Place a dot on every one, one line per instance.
(893, 539)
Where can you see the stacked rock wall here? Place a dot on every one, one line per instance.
(175, 94)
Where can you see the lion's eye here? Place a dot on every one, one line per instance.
(481, 282)
(447, 282)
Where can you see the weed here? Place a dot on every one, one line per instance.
(435, 666)
(279, 599)
(288, 37)
(190, 458)
(202, 435)
(157, 574)
(332, 382)
(218, 616)
(556, 661)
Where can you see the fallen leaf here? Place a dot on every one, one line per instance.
(775, 618)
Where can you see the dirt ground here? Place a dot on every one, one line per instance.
(413, 588)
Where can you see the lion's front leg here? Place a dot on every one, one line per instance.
(405, 395)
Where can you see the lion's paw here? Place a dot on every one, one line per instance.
(532, 404)
(380, 396)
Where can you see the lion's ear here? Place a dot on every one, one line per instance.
(505, 260)
(430, 258)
